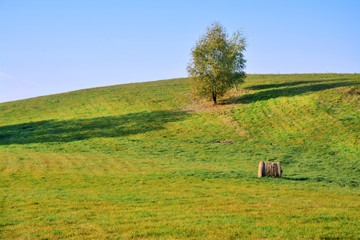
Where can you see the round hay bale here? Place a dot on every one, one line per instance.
(269, 169)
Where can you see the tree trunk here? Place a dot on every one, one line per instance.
(214, 97)
(268, 169)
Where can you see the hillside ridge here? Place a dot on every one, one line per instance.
(148, 160)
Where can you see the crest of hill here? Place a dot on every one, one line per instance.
(298, 119)
(147, 160)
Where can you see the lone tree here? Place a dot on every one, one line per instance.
(217, 62)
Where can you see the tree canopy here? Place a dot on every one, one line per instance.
(217, 62)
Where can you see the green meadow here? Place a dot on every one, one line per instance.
(148, 161)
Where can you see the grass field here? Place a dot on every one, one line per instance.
(147, 161)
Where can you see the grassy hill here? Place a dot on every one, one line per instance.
(146, 160)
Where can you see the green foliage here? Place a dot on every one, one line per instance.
(141, 161)
(217, 62)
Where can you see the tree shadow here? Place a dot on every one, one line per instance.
(81, 129)
(285, 92)
(279, 85)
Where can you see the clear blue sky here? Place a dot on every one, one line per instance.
(54, 46)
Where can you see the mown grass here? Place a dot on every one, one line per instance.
(147, 161)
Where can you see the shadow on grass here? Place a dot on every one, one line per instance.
(279, 85)
(295, 179)
(286, 92)
(80, 129)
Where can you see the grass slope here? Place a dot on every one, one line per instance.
(145, 161)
